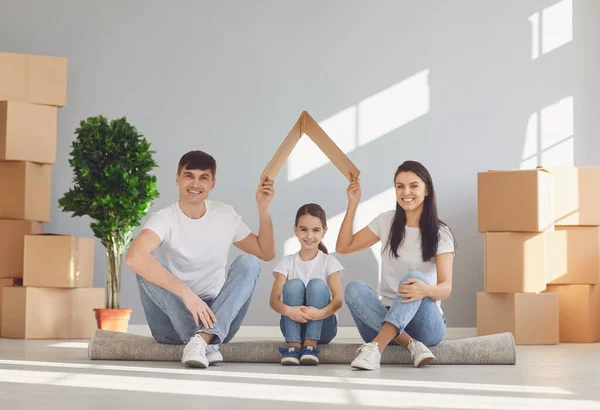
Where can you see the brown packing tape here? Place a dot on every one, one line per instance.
(307, 125)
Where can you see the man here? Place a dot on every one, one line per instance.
(180, 257)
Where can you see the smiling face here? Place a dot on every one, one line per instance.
(410, 191)
(194, 185)
(309, 231)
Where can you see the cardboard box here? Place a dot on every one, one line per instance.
(516, 262)
(579, 310)
(28, 132)
(7, 282)
(515, 201)
(26, 191)
(50, 313)
(33, 79)
(575, 256)
(576, 195)
(531, 318)
(58, 261)
(12, 240)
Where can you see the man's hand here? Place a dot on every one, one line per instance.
(296, 314)
(200, 310)
(413, 289)
(313, 313)
(265, 193)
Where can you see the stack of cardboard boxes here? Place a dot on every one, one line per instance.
(45, 280)
(542, 254)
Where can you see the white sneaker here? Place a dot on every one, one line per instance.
(194, 353)
(368, 357)
(213, 355)
(420, 354)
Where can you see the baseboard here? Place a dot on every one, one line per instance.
(344, 332)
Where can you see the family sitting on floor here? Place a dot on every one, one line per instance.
(189, 297)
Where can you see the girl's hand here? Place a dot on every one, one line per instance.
(297, 314)
(354, 192)
(313, 313)
(413, 290)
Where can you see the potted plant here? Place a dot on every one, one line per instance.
(111, 163)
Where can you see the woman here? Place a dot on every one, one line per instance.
(416, 270)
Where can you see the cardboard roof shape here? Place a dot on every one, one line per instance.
(307, 125)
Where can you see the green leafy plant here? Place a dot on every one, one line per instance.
(111, 163)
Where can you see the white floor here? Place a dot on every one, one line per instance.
(58, 375)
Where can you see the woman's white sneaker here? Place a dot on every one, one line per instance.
(368, 357)
(420, 354)
(194, 353)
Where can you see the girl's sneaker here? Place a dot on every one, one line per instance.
(310, 356)
(291, 356)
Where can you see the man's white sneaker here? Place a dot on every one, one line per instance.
(213, 355)
(368, 357)
(194, 353)
(420, 354)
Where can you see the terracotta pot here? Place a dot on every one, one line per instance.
(116, 320)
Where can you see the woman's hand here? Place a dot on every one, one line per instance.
(413, 290)
(354, 192)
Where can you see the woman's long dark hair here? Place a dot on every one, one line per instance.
(429, 222)
(318, 212)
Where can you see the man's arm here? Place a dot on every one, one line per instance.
(140, 259)
(262, 245)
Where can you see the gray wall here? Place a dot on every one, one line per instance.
(231, 78)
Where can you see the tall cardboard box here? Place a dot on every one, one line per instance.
(576, 195)
(50, 313)
(532, 318)
(516, 262)
(33, 79)
(515, 201)
(58, 261)
(12, 240)
(25, 191)
(28, 132)
(575, 258)
(579, 310)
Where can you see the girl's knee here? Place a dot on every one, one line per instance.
(317, 285)
(293, 286)
(415, 275)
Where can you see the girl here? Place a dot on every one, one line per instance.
(416, 270)
(307, 290)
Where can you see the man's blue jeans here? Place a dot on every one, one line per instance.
(172, 323)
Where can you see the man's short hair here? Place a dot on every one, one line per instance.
(197, 160)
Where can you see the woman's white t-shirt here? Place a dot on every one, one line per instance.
(410, 258)
(320, 267)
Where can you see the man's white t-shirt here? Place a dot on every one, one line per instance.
(196, 250)
(320, 267)
(409, 259)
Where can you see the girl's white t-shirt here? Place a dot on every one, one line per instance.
(410, 258)
(320, 267)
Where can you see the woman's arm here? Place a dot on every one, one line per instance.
(346, 241)
(442, 290)
(414, 289)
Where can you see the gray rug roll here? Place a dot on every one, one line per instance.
(492, 349)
